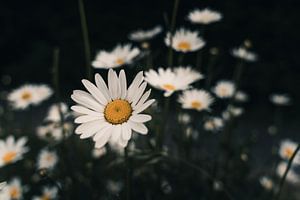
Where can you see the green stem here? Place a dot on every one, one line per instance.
(210, 70)
(282, 181)
(86, 41)
(161, 134)
(127, 180)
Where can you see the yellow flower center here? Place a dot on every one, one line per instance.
(26, 96)
(14, 193)
(196, 104)
(288, 152)
(120, 61)
(45, 197)
(9, 157)
(223, 91)
(168, 87)
(184, 46)
(118, 111)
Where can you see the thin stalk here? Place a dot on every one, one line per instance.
(210, 71)
(282, 181)
(86, 40)
(127, 179)
(180, 59)
(161, 134)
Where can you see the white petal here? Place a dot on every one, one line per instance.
(84, 110)
(116, 133)
(138, 127)
(126, 132)
(95, 92)
(86, 118)
(100, 83)
(123, 84)
(86, 100)
(134, 85)
(99, 134)
(140, 118)
(113, 84)
(86, 127)
(143, 107)
(143, 99)
(139, 93)
(106, 134)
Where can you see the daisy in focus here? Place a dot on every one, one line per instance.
(47, 159)
(29, 94)
(119, 56)
(171, 80)
(214, 124)
(48, 193)
(224, 89)
(195, 99)
(287, 149)
(15, 189)
(244, 54)
(111, 113)
(280, 99)
(144, 35)
(185, 41)
(12, 150)
(205, 16)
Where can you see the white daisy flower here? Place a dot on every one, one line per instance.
(287, 149)
(54, 131)
(291, 177)
(4, 194)
(111, 113)
(232, 111)
(280, 99)
(142, 35)
(213, 124)
(12, 150)
(15, 189)
(224, 89)
(114, 186)
(241, 96)
(54, 112)
(195, 99)
(205, 16)
(244, 54)
(98, 153)
(47, 159)
(185, 41)
(170, 80)
(184, 118)
(48, 193)
(29, 94)
(266, 183)
(119, 56)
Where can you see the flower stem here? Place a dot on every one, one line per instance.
(86, 41)
(282, 181)
(127, 179)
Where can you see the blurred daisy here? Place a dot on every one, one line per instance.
(170, 80)
(12, 150)
(266, 183)
(244, 54)
(111, 113)
(184, 118)
(213, 124)
(47, 159)
(119, 56)
(54, 131)
(2, 185)
(280, 99)
(291, 177)
(114, 186)
(241, 96)
(224, 89)
(142, 35)
(205, 16)
(232, 111)
(48, 193)
(195, 99)
(185, 41)
(287, 149)
(54, 112)
(97, 153)
(4, 194)
(29, 94)
(15, 189)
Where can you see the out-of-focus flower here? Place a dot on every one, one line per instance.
(15, 189)
(185, 41)
(143, 35)
(170, 80)
(287, 149)
(47, 159)
(29, 94)
(54, 112)
(114, 186)
(12, 150)
(224, 89)
(291, 177)
(184, 118)
(266, 183)
(111, 113)
(54, 131)
(4, 194)
(119, 56)
(48, 193)
(244, 54)
(280, 99)
(241, 96)
(195, 99)
(213, 124)
(232, 111)
(98, 153)
(205, 16)
(2, 185)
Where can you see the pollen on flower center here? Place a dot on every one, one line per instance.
(26, 96)
(120, 61)
(45, 197)
(196, 104)
(288, 152)
(14, 193)
(184, 46)
(168, 87)
(118, 111)
(9, 157)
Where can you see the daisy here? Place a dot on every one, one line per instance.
(54, 112)
(205, 16)
(232, 111)
(4, 194)
(54, 131)
(213, 124)
(244, 54)
(185, 41)
(120, 55)
(291, 177)
(170, 80)
(29, 94)
(98, 153)
(280, 99)
(48, 193)
(12, 150)
(287, 149)
(224, 89)
(184, 118)
(15, 189)
(241, 96)
(141, 35)
(195, 99)
(47, 159)
(113, 112)
(266, 183)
